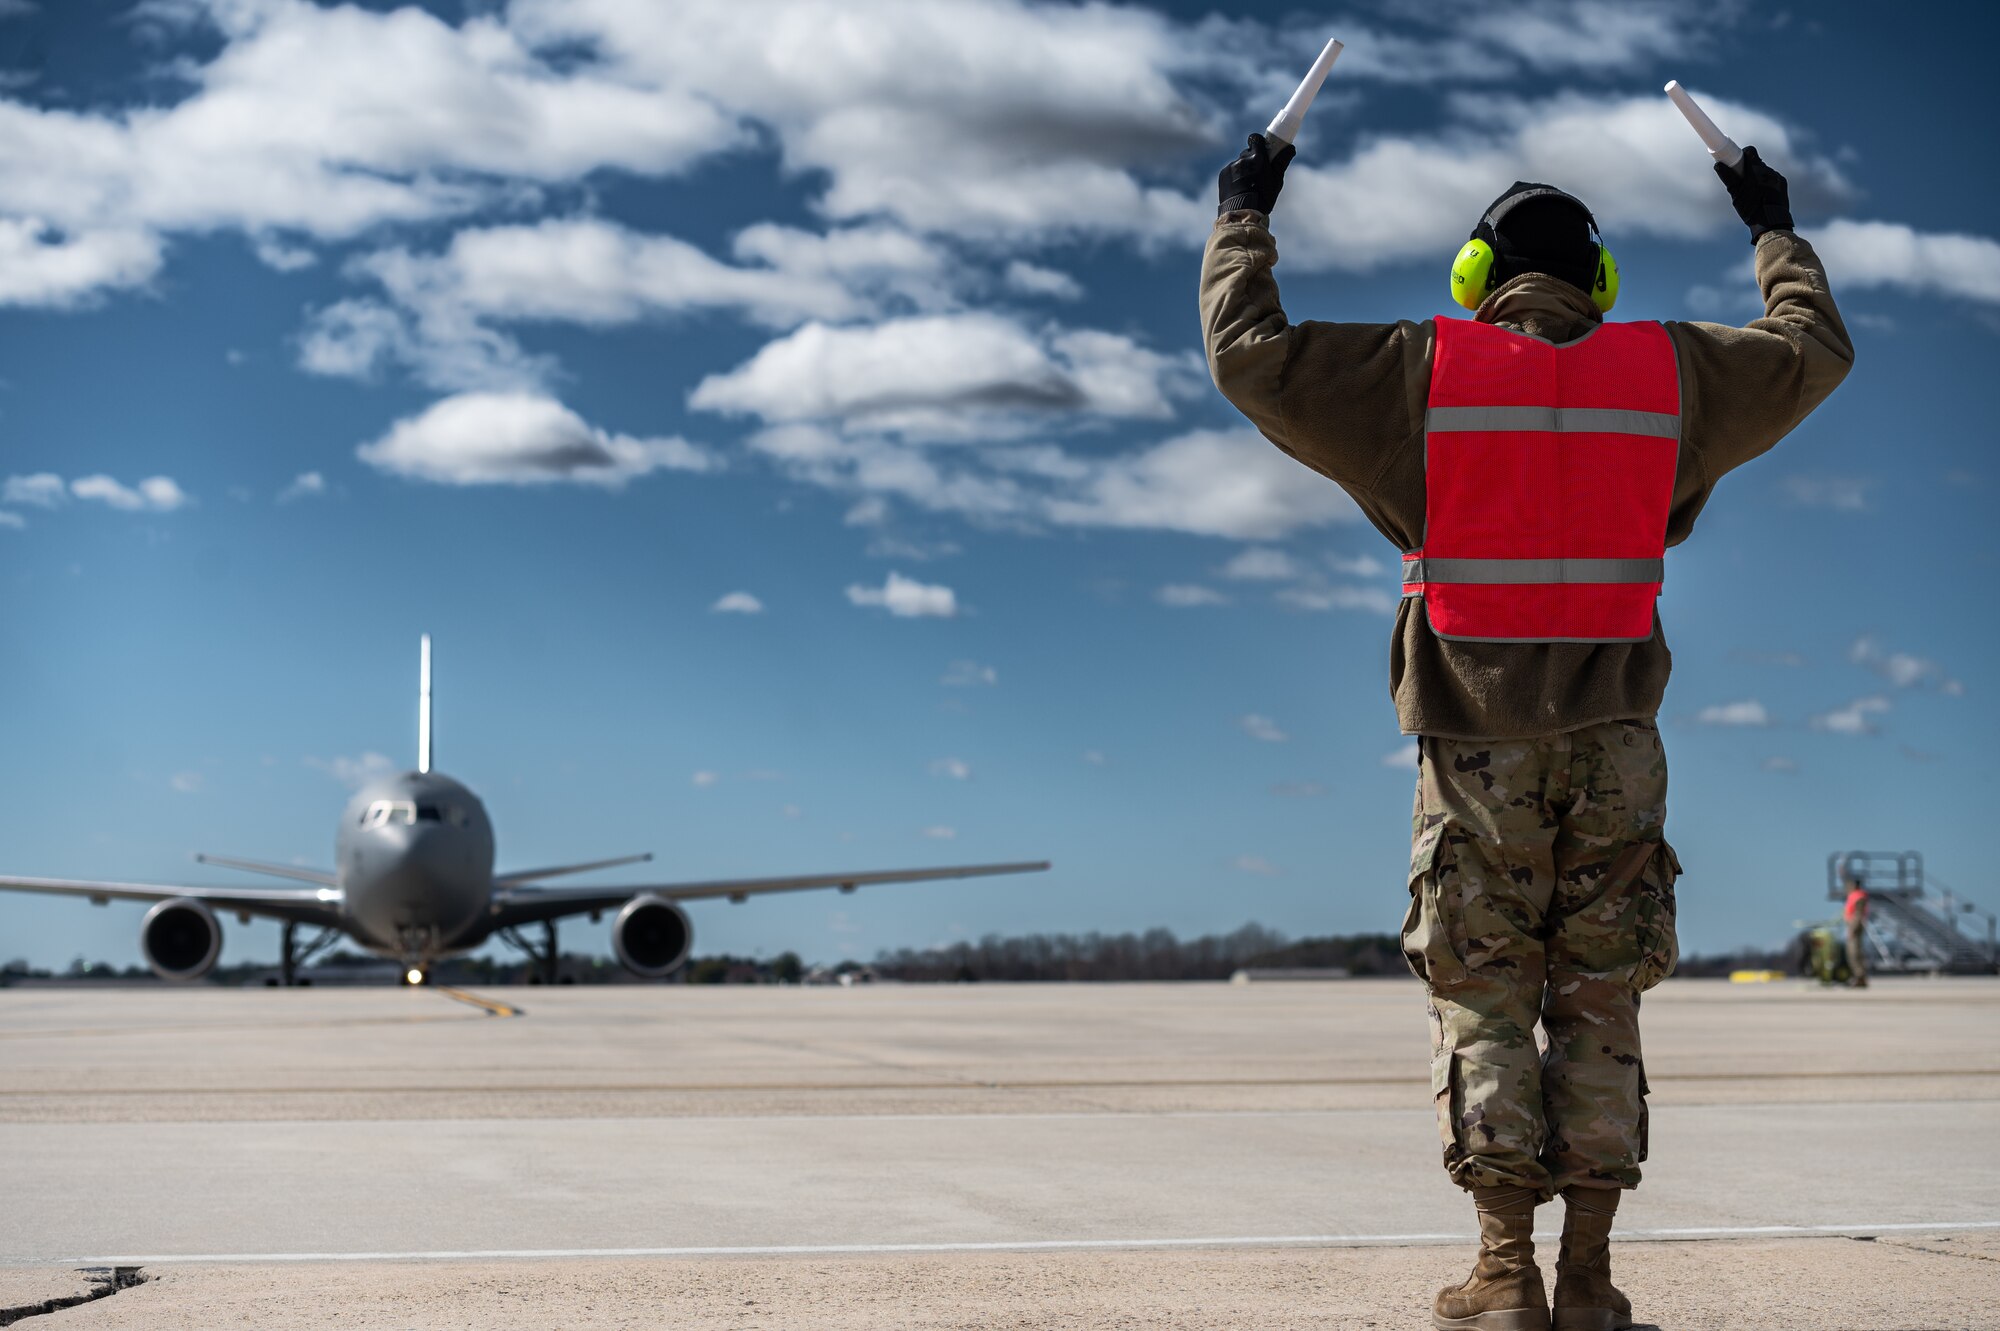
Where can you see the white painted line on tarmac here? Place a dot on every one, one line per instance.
(1021, 1245)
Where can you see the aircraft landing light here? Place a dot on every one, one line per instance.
(492, 1007)
(414, 976)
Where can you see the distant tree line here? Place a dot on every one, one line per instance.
(1156, 954)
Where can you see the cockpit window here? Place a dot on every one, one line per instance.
(409, 813)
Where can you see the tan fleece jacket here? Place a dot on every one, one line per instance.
(1348, 401)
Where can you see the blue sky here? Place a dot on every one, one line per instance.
(789, 421)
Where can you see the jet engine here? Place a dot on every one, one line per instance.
(652, 936)
(181, 939)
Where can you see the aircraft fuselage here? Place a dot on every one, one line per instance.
(414, 861)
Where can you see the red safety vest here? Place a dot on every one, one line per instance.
(1857, 904)
(1548, 473)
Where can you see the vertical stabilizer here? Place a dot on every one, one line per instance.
(424, 705)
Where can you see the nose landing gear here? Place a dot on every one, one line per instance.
(418, 948)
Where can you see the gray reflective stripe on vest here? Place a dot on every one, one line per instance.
(1556, 420)
(1534, 570)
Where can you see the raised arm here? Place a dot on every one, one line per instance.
(1338, 397)
(1744, 389)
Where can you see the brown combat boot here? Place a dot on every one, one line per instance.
(1505, 1291)
(1586, 1300)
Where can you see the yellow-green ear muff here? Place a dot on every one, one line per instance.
(1604, 291)
(1472, 273)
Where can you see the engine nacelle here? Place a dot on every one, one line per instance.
(652, 936)
(181, 939)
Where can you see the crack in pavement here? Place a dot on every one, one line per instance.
(105, 1281)
(1915, 1246)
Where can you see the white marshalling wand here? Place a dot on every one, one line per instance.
(1285, 129)
(1720, 146)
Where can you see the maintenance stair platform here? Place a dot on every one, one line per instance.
(1915, 923)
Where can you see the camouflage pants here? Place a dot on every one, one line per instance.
(1541, 892)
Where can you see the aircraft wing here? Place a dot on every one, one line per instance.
(523, 905)
(301, 905)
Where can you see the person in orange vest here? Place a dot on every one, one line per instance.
(1532, 463)
(1856, 915)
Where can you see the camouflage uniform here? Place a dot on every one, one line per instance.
(1541, 890)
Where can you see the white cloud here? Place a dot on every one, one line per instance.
(906, 598)
(1077, 103)
(942, 375)
(304, 486)
(1748, 712)
(1256, 864)
(316, 123)
(738, 603)
(1186, 595)
(1261, 727)
(355, 772)
(1261, 564)
(1890, 254)
(43, 265)
(966, 674)
(186, 783)
(1405, 757)
(1576, 34)
(1205, 482)
(519, 439)
(283, 258)
(1356, 566)
(442, 343)
(352, 339)
(1372, 599)
(1036, 102)
(1731, 304)
(1095, 757)
(1631, 159)
(325, 121)
(871, 511)
(955, 768)
(43, 489)
(703, 780)
(1029, 279)
(1903, 669)
(156, 494)
(11, 519)
(1842, 494)
(439, 316)
(1780, 763)
(940, 832)
(1854, 717)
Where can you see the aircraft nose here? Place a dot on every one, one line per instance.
(438, 853)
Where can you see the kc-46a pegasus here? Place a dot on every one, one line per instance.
(413, 880)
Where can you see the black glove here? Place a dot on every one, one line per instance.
(1255, 177)
(1761, 197)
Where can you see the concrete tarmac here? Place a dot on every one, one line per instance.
(1141, 1155)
